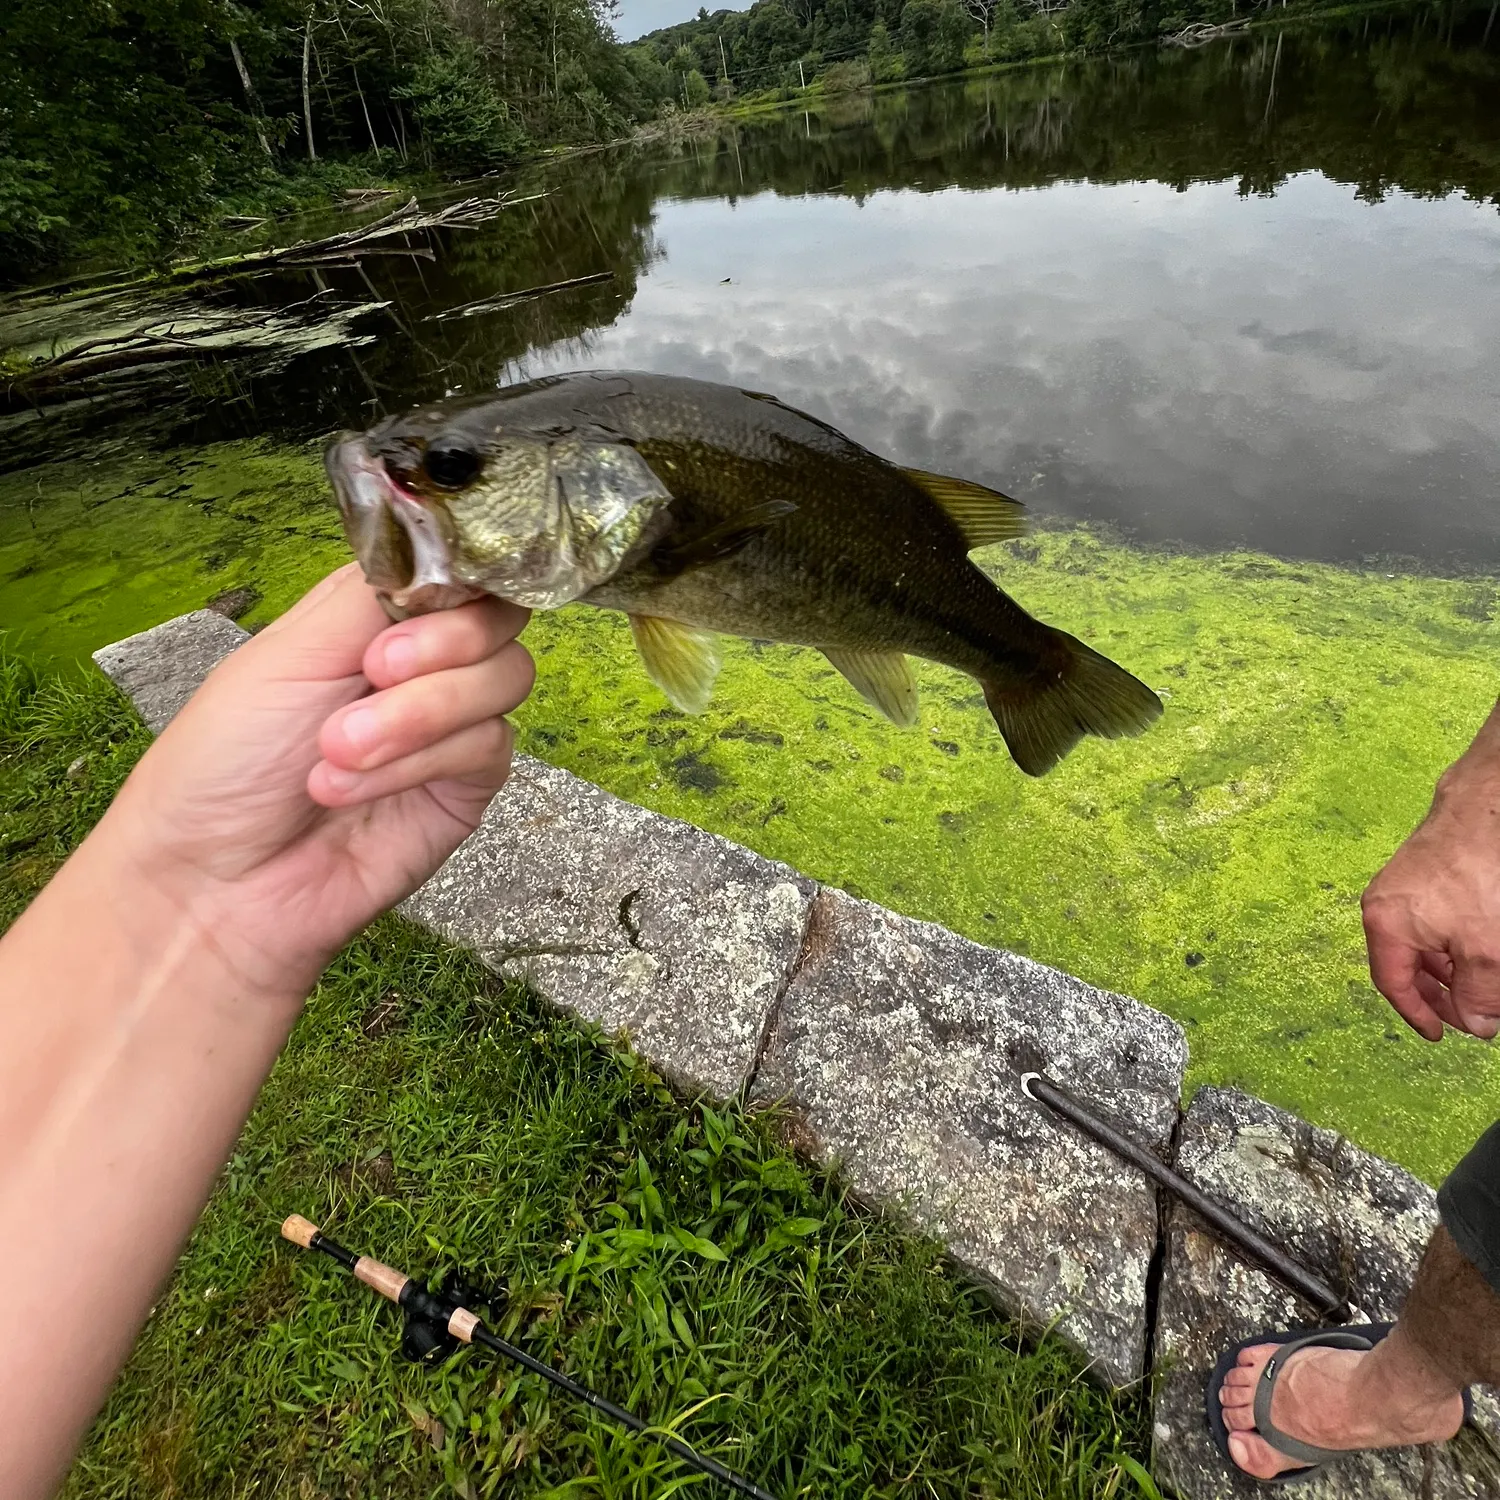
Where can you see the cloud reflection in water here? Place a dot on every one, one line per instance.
(1310, 374)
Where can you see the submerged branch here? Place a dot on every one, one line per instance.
(190, 336)
(509, 299)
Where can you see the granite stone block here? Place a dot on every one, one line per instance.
(1355, 1220)
(161, 668)
(672, 937)
(899, 1048)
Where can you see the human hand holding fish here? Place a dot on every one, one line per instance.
(698, 510)
(320, 774)
(323, 771)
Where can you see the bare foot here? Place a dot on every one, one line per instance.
(1339, 1398)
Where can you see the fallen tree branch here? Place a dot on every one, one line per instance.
(407, 219)
(1202, 32)
(509, 299)
(276, 335)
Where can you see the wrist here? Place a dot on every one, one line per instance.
(148, 904)
(1470, 787)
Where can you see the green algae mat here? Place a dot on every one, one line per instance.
(1211, 868)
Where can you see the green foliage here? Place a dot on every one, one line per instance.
(29, 204)
(107, 123)
(884, 57)
(933, 34)
(846, 77)
(67, 741)
(676, 1257)
(123, 126)
(463, 120)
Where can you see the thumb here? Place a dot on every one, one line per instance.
(324, 636)
(1475, 994)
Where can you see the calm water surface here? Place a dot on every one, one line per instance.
(1245, 296)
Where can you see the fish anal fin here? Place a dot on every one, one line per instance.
(1078, 692)
(982, 514)
(883, 679)
(681, 660)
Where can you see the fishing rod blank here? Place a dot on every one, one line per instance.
(437, 1322)
(1039, 1087)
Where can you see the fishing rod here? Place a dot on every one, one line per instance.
(437, 1322)
(1041, 1089)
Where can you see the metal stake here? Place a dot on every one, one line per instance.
(1039, 1087)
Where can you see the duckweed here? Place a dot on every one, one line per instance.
(1212, 868)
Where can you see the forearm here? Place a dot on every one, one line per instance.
(130, 1056)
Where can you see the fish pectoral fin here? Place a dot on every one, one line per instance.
(983, 515)
(679, 554)
(883, 679)
(681, 660)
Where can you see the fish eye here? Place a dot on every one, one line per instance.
(450, 465)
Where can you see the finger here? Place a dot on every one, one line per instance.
(448, 638)
(403, 719)
(1435, 993)
(477, 758)
(1439, 965)
(1475, 994)
(1394, 966)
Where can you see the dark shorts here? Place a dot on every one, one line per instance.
(1469, 1203)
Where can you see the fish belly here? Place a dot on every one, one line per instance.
(811, 607)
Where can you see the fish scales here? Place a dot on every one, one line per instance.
(698, 508)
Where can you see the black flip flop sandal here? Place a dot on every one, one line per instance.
(1362, 1336)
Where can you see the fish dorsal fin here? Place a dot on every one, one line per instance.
(680, 660)
(983, 515)
(883, 679)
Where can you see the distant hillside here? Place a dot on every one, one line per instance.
(779, 45)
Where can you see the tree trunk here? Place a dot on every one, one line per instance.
(358, 89)
(250, 99)
(312, 150)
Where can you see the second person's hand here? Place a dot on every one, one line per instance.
(1432, 915)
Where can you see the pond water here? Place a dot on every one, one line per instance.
(1228, 321)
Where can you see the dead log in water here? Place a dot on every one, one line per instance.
(468, 213)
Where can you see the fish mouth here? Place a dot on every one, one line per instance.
(402, 544)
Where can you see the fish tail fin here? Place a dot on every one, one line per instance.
(1080, 692)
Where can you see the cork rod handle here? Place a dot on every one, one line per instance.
(384, 1279)
(299, 1231)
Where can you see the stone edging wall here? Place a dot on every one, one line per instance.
(896, 1048)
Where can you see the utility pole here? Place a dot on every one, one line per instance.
(800, 73)
(724, 66)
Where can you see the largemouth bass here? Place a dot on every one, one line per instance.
(699, 509)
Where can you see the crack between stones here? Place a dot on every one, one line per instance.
(1156, 1267)
(773, 1011)
(550, 950)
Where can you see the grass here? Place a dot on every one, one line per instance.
(675, 1257)
(1211, 868)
